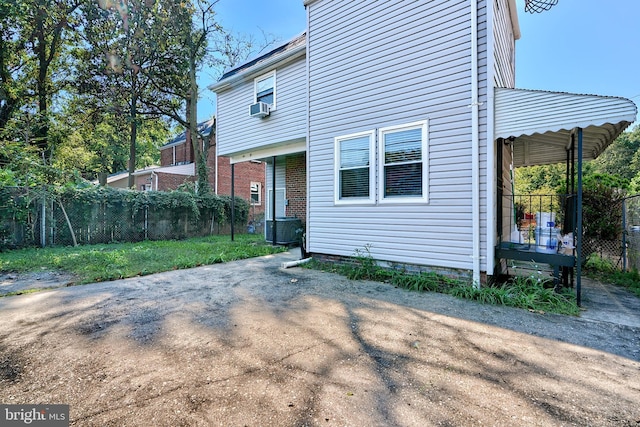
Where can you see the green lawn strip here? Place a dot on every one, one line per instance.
(520, 292)
(103, 262)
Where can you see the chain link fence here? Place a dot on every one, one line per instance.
(631, 227)
(38, 217)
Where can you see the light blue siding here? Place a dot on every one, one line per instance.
(237, 132)
(386, 63)
(504, 48)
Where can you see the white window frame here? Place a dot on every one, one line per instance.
(255, 88)
(424, 126)
(259, 202)
(269, 209)
(372, 173)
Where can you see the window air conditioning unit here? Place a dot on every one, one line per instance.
(259, 109)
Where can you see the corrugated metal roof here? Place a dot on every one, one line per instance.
(542, 122)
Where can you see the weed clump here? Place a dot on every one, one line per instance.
(529, 293)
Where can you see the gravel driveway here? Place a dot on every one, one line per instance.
(248, 343)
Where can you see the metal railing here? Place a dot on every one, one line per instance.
(611, 230)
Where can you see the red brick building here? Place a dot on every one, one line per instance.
(249, 176)
(177, 167)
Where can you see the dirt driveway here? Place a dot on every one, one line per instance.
(250, 344)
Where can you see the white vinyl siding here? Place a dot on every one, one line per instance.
(355, 168)
(237, 132)
(504, 47)
(374, 65)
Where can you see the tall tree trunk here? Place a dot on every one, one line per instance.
(192, 118)
(10, 102)
(42, 128)
(132, 142)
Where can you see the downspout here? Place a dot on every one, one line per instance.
(154, 177)
(306, 239)
(493, 147)
(475, 149)
(233, 201)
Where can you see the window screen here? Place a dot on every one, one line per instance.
(354, 167)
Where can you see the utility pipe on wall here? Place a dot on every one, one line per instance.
(475, 149)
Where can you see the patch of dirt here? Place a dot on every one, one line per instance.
(248, 343)
(12, 283)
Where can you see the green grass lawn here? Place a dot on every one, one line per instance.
(96, 263)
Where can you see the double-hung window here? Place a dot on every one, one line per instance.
(256, 193)
(403, 162)
(354, 168)
(265, 89)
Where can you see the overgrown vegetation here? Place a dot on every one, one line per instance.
(605, 271)
(105, 215)
(93, 87)
(99, 263)
(522, 292)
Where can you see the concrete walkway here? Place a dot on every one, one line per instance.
(608, 303)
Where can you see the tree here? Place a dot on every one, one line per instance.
(547, 179)
(203, 40)
(95, 141)
(121, 69)
(622, 157)
(12, 60)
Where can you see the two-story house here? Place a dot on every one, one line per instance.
(403, 118)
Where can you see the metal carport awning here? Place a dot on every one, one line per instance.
(554, 127)
(541, 123)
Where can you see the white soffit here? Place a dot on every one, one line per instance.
(264, 153)
(541, 123)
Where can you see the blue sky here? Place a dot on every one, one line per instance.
(580, 46)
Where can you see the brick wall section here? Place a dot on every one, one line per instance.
(168, 181)
(245, 174)
(140, 180)
(184, 153)
(166, 156)
(296, 188)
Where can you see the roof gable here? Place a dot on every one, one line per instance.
(204, 128)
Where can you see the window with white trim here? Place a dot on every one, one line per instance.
(256, 193)
(354, 168)
(265, 89)
(403, 153)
